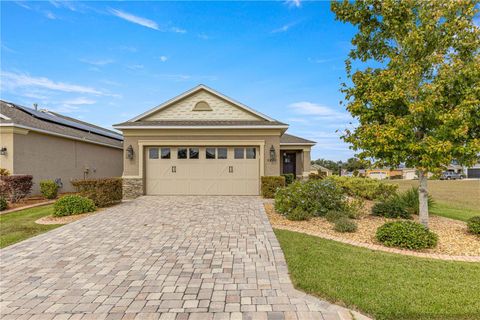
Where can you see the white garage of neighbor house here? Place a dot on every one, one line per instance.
(203, 142)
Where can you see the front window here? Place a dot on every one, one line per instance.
(221, 153)
(182, 153)
(210, 153)
(153, 153)
(239, 153)
(251, 153)
(193, 153)
(165, 153)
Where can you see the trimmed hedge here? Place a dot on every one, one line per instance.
(406, 234)
(16, 187)
(270, 185)
(473, 225)
(316, 197)
(49, 189)
(365, 188)
(289, 178)
(72, 204)
(3, 204)
(104, 192)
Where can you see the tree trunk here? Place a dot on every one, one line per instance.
(423, 197)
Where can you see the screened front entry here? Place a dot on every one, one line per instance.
(215, 170)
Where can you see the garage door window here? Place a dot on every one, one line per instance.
(165, 153)
(153, 153)
(210, 153)
(251, 153)
(221, 153)
(239, 153)
(193, 153)
(182, 153)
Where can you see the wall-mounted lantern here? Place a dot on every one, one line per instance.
(3, 151)
(130, 152)
(273, 156)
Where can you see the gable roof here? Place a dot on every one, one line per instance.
(287, 139)
(202, 124)
(198, 88)
(56, 124)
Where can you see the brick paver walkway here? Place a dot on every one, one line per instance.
(158, 258)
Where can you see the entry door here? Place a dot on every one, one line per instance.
(289, 162)
(179, 170)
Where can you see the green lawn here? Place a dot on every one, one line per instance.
(382, 285)
(458, 199)
(20, 225)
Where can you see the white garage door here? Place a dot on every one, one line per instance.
(202, 170)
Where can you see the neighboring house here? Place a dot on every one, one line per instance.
(398, 173)
(473, 172)
(48, 145)
(316, 168)
(202, 142)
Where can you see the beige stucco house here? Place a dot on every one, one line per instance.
(48, 145)
(203, 142)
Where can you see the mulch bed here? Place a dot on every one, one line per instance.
(64, 220)
(453, 238)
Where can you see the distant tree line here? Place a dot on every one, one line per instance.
(350, 165)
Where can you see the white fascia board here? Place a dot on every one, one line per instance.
(203, 127)
(297, 144)
(58, 135)
(4, 117)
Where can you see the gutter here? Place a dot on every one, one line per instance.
(59, 135)
(203, 127)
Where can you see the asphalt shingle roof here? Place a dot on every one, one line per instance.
(19, 116)
(288, 138)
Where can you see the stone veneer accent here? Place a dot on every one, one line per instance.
(132, 188)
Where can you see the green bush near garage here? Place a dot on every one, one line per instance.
(48, 189)
(365, 188)
(473, 225)
(270, 185)
(104, 192)
(72, 204)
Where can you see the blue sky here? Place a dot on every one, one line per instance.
(106, 62)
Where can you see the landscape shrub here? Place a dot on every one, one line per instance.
(473, 225)
(315, 176)
(289, 178)
(298, 214)
(365, 188)
(3, 204)
(4, 172)
(270, 185)
(48, 189)
(72, 204)
(104, 192)
(317, 197)
(391, 208)
(406, 234)
(335, 215)
(410, 201)
(16, 187)
(345, 225)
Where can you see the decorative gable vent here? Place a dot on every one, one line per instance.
(202, 106)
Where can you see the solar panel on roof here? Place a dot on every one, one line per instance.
(55, 119)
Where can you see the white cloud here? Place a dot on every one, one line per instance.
(294, 3)
(136, 66)
(163, 58)
(19, 80)
(99, 62)
(50, 15)
(317, 110)
(23, 5)
(283, 28)
(178, 30)
(203, 36)
(135, 19)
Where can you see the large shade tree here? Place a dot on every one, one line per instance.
(418, 102)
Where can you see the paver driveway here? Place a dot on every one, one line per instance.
(158, 257)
